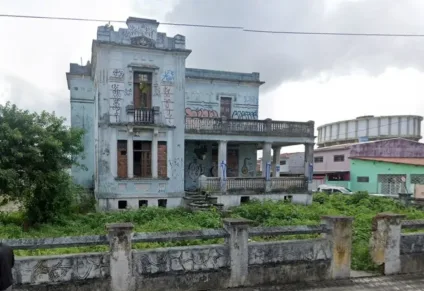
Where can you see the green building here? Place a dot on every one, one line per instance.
(384, 175)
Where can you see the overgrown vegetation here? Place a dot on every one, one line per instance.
(36, 151)
(361, 206)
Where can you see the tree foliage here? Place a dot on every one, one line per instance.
(36, 150)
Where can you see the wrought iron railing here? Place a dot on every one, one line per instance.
(248, 127)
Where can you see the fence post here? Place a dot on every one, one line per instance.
(239, 249)
(385, 241)
(340, 236)
(120, 235)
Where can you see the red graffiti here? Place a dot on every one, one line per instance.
(201, 112)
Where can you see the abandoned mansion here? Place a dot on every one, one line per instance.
(156, 132)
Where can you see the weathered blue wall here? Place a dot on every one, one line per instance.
(195, 166)
(83, 116)
(114, 66)
(205, 87)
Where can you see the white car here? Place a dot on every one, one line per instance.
(333, 189)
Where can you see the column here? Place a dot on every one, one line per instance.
(222, 155)
(266, 157)
(155, 153)
(237, 243)
(120, 256)
(130, 156)
(385, 241)
(309, 159)
(276, 161)
(340, 238)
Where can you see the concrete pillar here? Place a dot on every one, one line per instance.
(237, 243)
(276, 161)
(309, 159)
(222, 155)
(120, 235)
(341, 244)
(266, 157)
(155, 154)
(385, 241)
(130, 157)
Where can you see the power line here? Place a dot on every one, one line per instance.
(220, 27)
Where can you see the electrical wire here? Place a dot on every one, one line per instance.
(220, 27)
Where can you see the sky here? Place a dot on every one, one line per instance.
(320, 78)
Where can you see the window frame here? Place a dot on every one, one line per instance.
(142, 101)
(338, 156)
(318, 159)
(360, 179)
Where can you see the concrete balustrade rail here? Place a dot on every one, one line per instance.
(394, 251)
(235, 263)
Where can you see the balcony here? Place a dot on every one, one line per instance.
(289, 185)
(141, 116)
(267, 127)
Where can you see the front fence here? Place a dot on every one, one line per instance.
(233, 263)
(394, 251)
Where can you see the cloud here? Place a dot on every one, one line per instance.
(299, 57)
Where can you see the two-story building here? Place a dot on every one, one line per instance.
(154, 127)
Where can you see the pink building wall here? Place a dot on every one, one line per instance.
(328, 165)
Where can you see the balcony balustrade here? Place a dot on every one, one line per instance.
(268, 127)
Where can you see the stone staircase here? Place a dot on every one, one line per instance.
(200, 201)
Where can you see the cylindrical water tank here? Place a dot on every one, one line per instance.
(370, 128)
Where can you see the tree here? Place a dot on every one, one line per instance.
(36, 150)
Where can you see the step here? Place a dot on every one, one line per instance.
(195, 198)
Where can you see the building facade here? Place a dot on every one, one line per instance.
(350, 165)
(153, 127)
(384, 175)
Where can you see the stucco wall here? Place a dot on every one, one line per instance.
(83, 116)
(85, 271)
(168, 95)
(371, 169)
(195, 167)
(388, 148)
(202, 98)
(328, 165)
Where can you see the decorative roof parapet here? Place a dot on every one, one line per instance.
(141, 32)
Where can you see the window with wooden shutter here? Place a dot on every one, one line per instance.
(122, 159)
(142, 158)
(142, 90)
(162, 159)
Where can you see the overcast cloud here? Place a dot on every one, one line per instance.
(321, 78)
(293, 57)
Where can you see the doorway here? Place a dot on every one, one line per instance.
(226, 107)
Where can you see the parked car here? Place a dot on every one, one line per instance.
(333, 189)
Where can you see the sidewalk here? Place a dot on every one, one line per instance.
(391, 283)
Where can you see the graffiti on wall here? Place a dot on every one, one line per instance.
(200, 112)
(168, 76)
(116, 75)
(140, 29)
(241, 114)
(176, 166)
(247, 170)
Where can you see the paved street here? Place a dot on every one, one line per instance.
(404, 282)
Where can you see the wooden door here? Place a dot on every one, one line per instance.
(226, 107)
